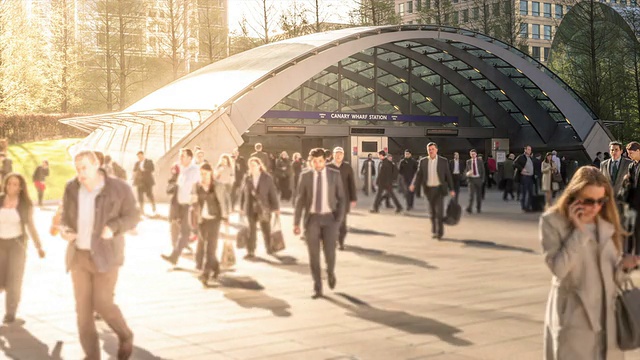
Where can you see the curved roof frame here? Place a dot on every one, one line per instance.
(538, 117)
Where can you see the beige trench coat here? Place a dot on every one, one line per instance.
(572, 323)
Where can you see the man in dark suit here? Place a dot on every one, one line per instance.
(321, 196)
(475, 172)
(433, 172)
(616, 167)
(368, 171)
(263, 156)
(632, 191)
(240, 170)
(143, 181)
(524, 176)
(456, 168)
(388, 172)
(349, 182)
(408, 168)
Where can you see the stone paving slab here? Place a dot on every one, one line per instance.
(479, 293)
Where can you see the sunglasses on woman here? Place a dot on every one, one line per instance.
(591, 201)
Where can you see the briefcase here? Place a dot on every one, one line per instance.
(277, 238)
(454, 212)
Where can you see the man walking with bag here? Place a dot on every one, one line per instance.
(144, 182)
(475, 178)
(387, 174)
(433, 172)
(321, 197)
(97, 211)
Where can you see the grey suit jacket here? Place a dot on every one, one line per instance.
(480, 169)
(337, 199)
(623, 169)
(444, 174)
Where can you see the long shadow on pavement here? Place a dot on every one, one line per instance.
(18, 343)
(285, 262)
(383, 256)
(490, 245)
(358, 231)
(400, 320)
(249, 294)
(110, 346)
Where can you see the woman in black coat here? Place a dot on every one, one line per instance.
(259, 199)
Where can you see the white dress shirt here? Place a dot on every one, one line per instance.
(86, 215)
(326, 209)
(477, 174)
(189, 176)
(456, 166)
(433, 179)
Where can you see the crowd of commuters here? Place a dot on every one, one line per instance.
(99, 207)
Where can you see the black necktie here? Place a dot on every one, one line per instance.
(614, 171)
(319, 193)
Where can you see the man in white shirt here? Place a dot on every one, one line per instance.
(433, 171)
(321, 197)
(189, 176)
(475, 178)
(455, 166)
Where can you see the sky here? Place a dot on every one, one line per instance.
(334, 10)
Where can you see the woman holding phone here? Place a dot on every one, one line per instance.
(582, 241)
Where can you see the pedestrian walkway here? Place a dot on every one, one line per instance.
(479, 293)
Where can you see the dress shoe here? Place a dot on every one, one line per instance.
(204, 278)
(439, 236)
(249, 257)
(478, 211)
(9, 319)
(341, 247)
(469, 210)
(216, 272)
(317, 295)
(374, 211)
(125, 349)
(332, 281)
(168, 259)
(398, 210)
(433, 236)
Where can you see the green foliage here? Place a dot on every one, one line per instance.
(596, 53)
(26, 158)
(374, 12)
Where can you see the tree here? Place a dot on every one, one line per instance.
(65, 54)
(374, 12)
(24, 82)
(212, 30)
(319, 10)
(508, 25)
(265, 20)
(294, 21)
(438, 12)
(481, 19)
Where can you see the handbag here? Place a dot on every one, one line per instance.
(556, 177)
(627, 312)
(277, 238)
(555, 186)
(242, 237)
(228, 257)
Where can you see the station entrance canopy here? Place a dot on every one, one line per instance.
(416, 71)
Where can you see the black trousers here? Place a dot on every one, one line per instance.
(321, 229)
(456, 185)
(184, 231)
(508, 189)
(208, 231)
(342, 233)
(436, 205)
(146, 190)
(409, 195)
(265, 226)
(388, 191)
(475, 192)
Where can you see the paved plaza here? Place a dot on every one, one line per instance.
(479, 293)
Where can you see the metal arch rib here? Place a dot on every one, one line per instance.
(500, 118)
(539, 118)
(448, 106)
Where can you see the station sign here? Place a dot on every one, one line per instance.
(282, 114)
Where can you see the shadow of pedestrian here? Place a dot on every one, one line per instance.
(239, 282)
(383, 256)
(258, 300)
(18, 343)
(490, 245)
(286, 262)
(400, 320)
(111, 343)
(353, 230)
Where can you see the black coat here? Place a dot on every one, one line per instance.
(266, 192)
(444, 174)
(387, 174)
(408, 169)
(240, 170)
(144, 177)
(348, 180)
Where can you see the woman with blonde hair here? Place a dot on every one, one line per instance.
(581, 238)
